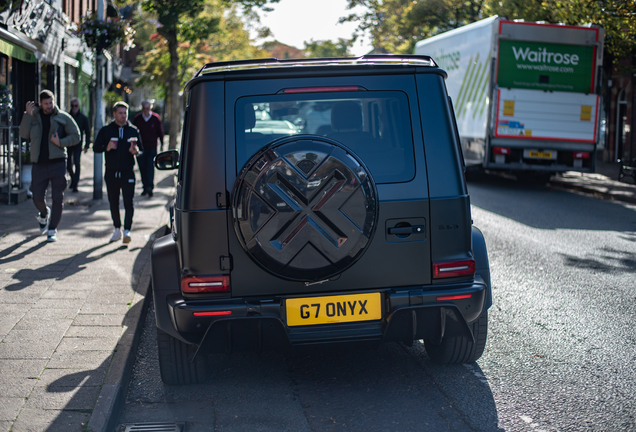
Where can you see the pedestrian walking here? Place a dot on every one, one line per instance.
(120, 141)
(50, 131)
(75, 152)
(151, 130)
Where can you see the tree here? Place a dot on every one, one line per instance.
(327, 48)
(618, 17)
(154, 64)
(187, 21)
(396, 25)
(232, 40)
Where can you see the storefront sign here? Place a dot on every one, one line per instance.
(17, 52)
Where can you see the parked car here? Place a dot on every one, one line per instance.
(275, 127)
(362, 234)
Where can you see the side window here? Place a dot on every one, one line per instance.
(184, 143)
(460, 151)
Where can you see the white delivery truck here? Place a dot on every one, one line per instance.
(525, 94)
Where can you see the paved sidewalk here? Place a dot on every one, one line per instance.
(603, 183)
(69, 310)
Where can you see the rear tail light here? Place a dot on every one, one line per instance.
(216, 313)
(448, 269)
(205, 284)
(581, 155)
(501, 150)
(454, 297)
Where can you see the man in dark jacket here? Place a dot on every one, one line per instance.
(75, 152)
(50, 131)
(151, 130)
(120, 141)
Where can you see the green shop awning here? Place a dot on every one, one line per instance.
(16, 51)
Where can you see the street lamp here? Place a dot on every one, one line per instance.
(99, 114)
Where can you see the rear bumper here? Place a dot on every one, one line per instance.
(259, 324)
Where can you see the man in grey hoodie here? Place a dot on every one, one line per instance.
(50, 131)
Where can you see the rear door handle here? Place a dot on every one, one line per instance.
(416, 229)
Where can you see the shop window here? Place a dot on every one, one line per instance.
(70, 88)
(4, 70)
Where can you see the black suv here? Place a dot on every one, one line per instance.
(318, 201)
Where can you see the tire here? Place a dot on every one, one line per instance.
(174, 363)
(456, 350)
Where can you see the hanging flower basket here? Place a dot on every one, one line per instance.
(101, 34)
(6, 100)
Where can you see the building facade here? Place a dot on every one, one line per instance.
(621, 139)
(39, 51)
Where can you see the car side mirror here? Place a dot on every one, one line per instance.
(167, 160)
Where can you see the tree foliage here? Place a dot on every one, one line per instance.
(154, 63)
(327, 48)
(396, 25)
(183, 24)
(618, 17)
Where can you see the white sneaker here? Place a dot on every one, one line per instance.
(52, 236)
(116, 235)
(44, 222)
(127, 237)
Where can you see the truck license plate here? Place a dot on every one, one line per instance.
(535, 154)
(334, 309)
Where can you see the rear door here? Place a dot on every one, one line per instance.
(373, 120)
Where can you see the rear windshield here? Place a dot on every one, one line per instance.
(375, 125)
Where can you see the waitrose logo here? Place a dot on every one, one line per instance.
(542, 55)
(545, 66)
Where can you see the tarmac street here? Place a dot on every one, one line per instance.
(69, 310)
(72, 312)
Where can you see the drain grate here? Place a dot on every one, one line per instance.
(155, 427)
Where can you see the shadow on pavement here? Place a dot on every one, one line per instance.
(318, 388)
(383, 389)
(21, 255)
(8, 251)
(611, 261)
(541, 207)
(84, 400)
(26, 277)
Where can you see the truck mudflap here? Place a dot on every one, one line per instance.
(250, 326)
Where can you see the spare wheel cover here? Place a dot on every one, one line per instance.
(305, 208)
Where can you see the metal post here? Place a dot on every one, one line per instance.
(99, 113)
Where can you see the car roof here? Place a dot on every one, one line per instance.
(273, 67)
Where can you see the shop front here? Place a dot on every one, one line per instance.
(18, 84)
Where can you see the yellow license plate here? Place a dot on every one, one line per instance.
(540, 155)
(334, 309)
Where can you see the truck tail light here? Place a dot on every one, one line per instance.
(581, 155)
(448, 269)
(501, 150)
(205, 284)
